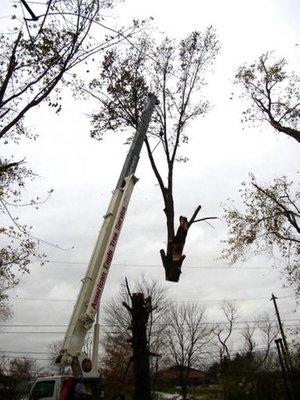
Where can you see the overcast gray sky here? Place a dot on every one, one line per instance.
(222, 152)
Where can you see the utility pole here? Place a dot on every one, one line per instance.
(283, 369)
(140, 310)
(284, 354)
(274, 298)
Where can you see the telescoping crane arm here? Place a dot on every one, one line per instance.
(92, 287)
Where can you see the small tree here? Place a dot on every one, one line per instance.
(242, 379)
(224, 332)
(16, 375)
(268, 332)
(175, 73)
(54, 349)
(273, 93)
(270, 222)
(258, 339)
(188, 340)
(243, 375)
(250, 344)
(24, 369)
(116, 365)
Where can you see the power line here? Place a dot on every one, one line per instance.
(30, 353)
(103, 325)
(32, 2)
(41, 325)
(177, 301)
(50, 359)
(114, 332)
(228, 268)
(41, 299)
(37, 325)
(23, 352)
(29, 357)
(31, 333)
(273, 323)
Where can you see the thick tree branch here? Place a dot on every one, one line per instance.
(10, 69)
(154, 167)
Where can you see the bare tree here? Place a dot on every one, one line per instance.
(188, 339)
(24, 369)
(258, 339)
(15, 376)
(175, 73)
(270, 222)
(116, 365)
(224, 332)
(273, 93)
(117, 318)
(246, 374)
(268, 332)
(54, 349)
(118, 336)
(248, 333)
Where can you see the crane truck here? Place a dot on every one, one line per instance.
(84, 383)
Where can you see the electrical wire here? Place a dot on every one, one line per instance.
(176, 301)
(227, 268)
(32, 2)
(29, 357)
(24, 352)
(117, 332)
(104, 325)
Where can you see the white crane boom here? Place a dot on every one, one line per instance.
(92, 287)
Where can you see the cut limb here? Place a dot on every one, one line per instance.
(178, 242)
(172, 262)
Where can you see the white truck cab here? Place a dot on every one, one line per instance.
(64, 387)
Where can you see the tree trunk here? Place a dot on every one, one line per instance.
(183, 389)
(140, 315)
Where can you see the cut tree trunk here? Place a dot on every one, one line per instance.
(140, 310)
(172, 261)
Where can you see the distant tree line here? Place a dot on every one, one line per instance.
(16, 376)
(180, 337)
